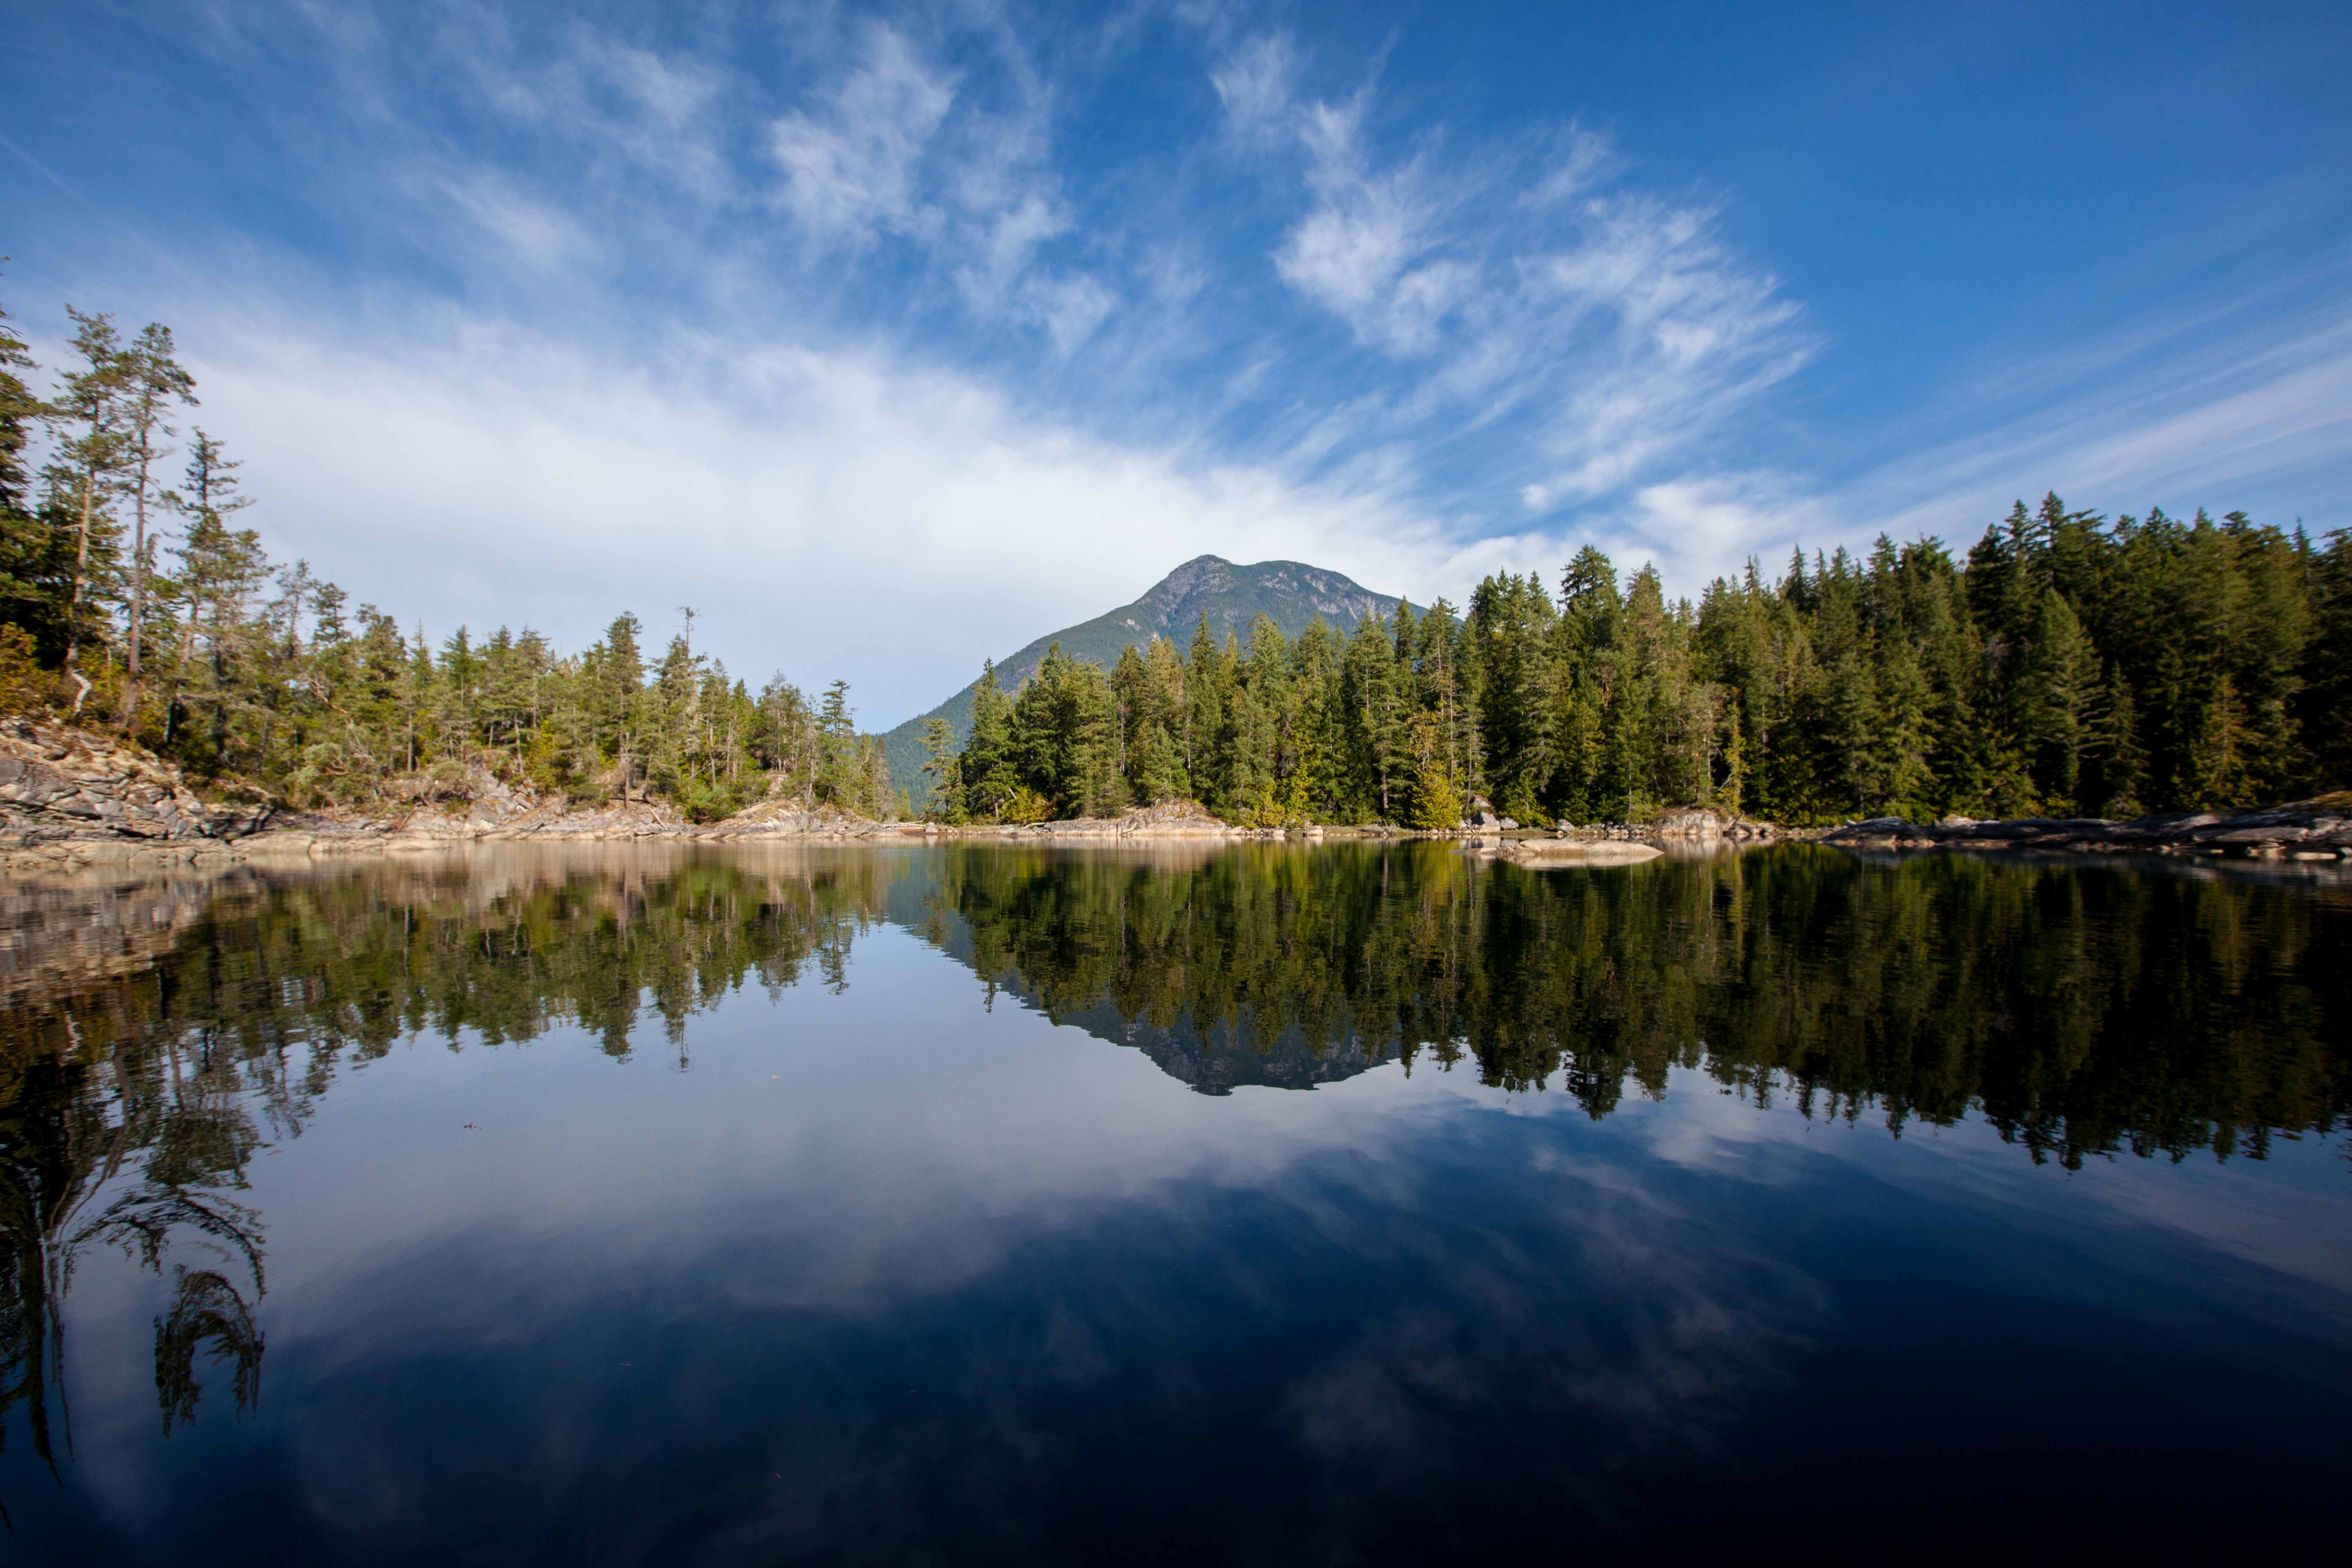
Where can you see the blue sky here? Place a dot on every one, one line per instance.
(887, 338)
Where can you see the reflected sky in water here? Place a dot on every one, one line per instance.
(640, 1206)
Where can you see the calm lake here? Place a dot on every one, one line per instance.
(1349, 1204)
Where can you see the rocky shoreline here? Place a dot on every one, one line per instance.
(68, 798)
(2318, 829)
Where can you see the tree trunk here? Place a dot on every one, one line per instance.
(138, 599)
(82, 572)
(180, 672)
(220, 703)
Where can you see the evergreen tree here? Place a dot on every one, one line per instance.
(2325, 704)
(221, 571)
(84, 476)
(620, 696)
(24, 565)
(153, 380)
(986, 770)
(843, 779)
(943, 790)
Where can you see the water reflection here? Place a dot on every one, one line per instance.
(2081, 1009)
(156, 1034)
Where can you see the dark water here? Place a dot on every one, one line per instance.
(962, 1205)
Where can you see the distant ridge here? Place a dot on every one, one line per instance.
(1289, 592)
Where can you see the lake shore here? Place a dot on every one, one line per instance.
(69, 798)
(2316, 829)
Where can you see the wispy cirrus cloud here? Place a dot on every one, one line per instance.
(656, 114)
(541, 234)
(850, 160)
(2176, 409)
(1369, 249)
(1601, 331)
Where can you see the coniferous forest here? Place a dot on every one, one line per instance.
(2067, 663)
(132, 599)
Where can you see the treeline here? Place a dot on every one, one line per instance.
(2068, 665)
(133, 600)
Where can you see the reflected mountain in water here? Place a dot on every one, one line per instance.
(1037, 929)
(1228, 1057)
(155, 1031)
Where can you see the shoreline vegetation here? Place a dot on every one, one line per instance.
(2142, 682)
(70, 799)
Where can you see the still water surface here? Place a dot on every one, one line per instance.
(1352, 1203)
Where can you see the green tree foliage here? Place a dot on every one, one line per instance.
(24, 541)
(90, 451)
(943, 789)
(199, 647)
(987, 780)
(153, 381)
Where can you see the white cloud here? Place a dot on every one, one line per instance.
(1174, 271)
(1581, 160)
(1010, 240)
(657, 111)
(541, 234)
(1072, 307)
(1698, 527)
(850, 167)
(1351, 251)
(900, 148)
(828, 512)
(1615, 327)
(1253, 83)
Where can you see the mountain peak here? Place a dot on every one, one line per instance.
(1229, 596)
(1200, 571)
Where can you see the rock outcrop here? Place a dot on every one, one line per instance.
(2318, 829)
(1169, 819)
(65, 789)
(1699, 826)
(70, 796)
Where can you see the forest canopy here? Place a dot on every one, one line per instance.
(2067, 664)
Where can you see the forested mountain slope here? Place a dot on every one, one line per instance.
(1231, 596)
